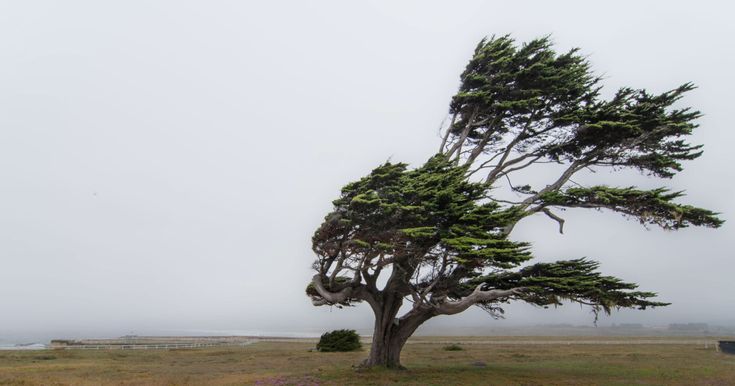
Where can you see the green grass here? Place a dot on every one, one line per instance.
(429, 364)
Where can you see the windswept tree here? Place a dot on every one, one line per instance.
(439, 234)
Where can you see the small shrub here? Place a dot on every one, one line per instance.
(339, 340)
(44, 357)
(453, 347)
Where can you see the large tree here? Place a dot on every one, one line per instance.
(439, 234)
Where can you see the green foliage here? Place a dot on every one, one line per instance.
(502, 78)
(339, 340)
(550, 105)
(576, 280)
(413, 211)
(444, 235)
(453, 347)
(648, 206)
(434, 210)
(634, 129)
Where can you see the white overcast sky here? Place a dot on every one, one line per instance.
(163, 164)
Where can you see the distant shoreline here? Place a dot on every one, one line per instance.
(192, 342)
(31, 341)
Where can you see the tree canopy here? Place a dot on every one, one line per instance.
(440, 233)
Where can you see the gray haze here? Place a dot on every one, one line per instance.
(163, 164)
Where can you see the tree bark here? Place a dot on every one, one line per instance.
(385, 350)
(390, 333)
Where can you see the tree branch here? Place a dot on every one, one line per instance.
(555, 218)
(449, 131)
(556, 185)
(328, 297)
(477, 296)
(458, 146)
(483, 142)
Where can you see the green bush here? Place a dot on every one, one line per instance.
(44, 357)
(339, 340)
(453, 347)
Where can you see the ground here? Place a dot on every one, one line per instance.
(291, 363)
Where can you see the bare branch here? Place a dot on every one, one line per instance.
(337, 268)
(463, 137)
(477, 296)
(495, 173)
(483, 142)
(509, 182)
(449, 131)
(505, 201)
(565, 176)
(439, 276)
(328, 297)
(527, 164)
(485, 164)
(555, 218)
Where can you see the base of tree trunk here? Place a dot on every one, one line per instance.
(385, 355)
(367, 364)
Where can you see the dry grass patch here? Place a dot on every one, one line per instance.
(429, 364)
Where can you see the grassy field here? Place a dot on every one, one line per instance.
(290, 363)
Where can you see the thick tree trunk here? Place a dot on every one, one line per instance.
(385, 352)
(390, 333)
(385, 349)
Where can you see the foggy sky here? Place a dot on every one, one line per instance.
(163, 164)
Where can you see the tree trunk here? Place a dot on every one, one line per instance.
(390, 334)
(385, 349)
(385, 352)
